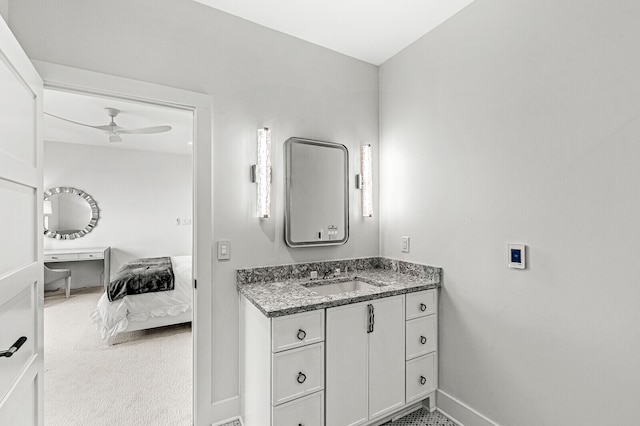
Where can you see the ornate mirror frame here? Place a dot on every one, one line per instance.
(95, 213)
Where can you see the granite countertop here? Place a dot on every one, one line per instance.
(290, 296)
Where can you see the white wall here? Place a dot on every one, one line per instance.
(4, 9)
(257, 77)
(518, 121)
(139, 193)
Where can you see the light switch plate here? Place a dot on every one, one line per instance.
(516, 256)
(224, 250)
(405, 245)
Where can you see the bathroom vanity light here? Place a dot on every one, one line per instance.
(261, 173)
(364, 181)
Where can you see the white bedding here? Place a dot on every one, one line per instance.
(113, 317)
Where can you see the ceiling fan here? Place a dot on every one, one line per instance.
(114, 131)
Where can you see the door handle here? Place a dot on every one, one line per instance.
(372, 319)
(14, 348)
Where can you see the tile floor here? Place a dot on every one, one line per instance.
(422, 418)
(417, 418)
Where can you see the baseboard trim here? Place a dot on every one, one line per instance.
(460, 413)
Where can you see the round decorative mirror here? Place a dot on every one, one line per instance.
(69, 213)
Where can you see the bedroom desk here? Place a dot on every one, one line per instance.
(82, 255)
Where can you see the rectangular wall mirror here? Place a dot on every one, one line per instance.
(317, 193)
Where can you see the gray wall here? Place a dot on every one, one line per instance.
(517, 121)
(257, 77)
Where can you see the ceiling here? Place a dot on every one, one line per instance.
(369, 30)
(89, 109)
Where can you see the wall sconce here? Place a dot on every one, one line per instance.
(261, 173)
(364, 181)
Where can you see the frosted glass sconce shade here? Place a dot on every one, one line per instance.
(262, 173)
(366, 180)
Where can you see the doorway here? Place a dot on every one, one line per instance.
(102, 352)
(69, 79)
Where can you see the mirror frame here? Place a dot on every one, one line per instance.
(95, 212)
(287, 176)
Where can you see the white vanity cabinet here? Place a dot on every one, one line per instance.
(282, 367)
(349, 365)
(365, 370)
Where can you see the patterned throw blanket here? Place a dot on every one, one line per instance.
(142, 276)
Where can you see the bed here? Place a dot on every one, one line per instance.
(149, 310)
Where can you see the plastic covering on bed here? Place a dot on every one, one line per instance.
(112, 318)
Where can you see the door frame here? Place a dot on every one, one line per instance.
(65, 78)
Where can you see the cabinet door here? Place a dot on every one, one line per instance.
(346, 384)
(386, 356)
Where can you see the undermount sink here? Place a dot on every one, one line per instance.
(338, 287)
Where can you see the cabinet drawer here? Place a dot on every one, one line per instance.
(92, 255)
(292, 331)
(420, 377)
(60, 257)
(422, 336)
(307, 411)
(297, 372)
(421, 304)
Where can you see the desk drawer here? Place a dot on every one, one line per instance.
(91, 255)
(421, 336)
(292, 331)
(297, 372)
(61, 257)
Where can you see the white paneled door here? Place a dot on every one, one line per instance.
(21, 270)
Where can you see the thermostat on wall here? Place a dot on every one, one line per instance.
(516, 256)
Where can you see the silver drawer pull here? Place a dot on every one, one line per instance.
(301, 334)
(54, 257)
(423, 380)
(423, 307)
(301, 377)
(14, 348)
(423, 340)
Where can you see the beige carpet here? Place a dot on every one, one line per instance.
(144, 379)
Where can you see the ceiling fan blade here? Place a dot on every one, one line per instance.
(145, 130)
(75, 122)
(109, 128)
(115, 138)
